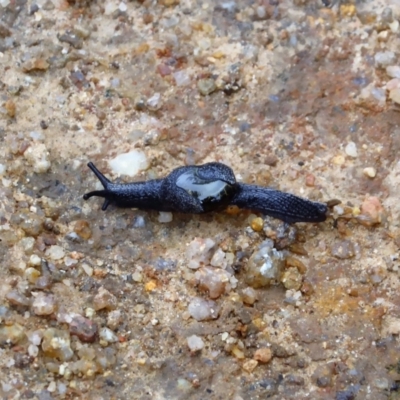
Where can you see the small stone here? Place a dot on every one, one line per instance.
(129, 164)
(11, 334)
(82, 228)
(37, 155)
(33, 350)
(195, 343)
(104, 300)
(88, 269)
(56, 344)
(310, 180)
(10, 108)
(249, 296)
(237, 352)
(218, 259)
(85, 329)
(202, 310)
(263, 355)
(34, 261)
(366, 17)
(206, 86)
(32, 275)
(30, 223)
(150, 286)
(292, 279)
(44, 304)
(27, 244)
(265, 265)
(137, 276)
(338, 160)
(165, 217)
(17, 299)
(250, 365)
(343, 249)
(369, 172)
(371, 212)
(114, 319)
(108, 335)
(213, 280)
(351, 149)
(394, 95)
(393, 71)
(384, 58)
(323, 375)
(35, 64)
(199, 252)
(257, 224)
(181, 77)
(55, 252)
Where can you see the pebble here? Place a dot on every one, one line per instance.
(343, 249)
(85, 329)
(165, 217)
(257, 224)
(371, 212)
(264, 266)
(30, 223)
(44, 304)
(11, 334)
(32, 275)
(129, 164)
(292, 279)
(82, 228)
(213, 280)
(27, 244)
(202, 310)
(37, 156)
(249, 296)
(218, 259)
(263, 355)
(108, 335)
(206, 86)
(55, 252)
(369, 172)
(195, 343)
(393, 71)
(114, 319)
(17, 299)
(394, 95)
(250, 365)
(199, 252)
(351, 149)
(34, 260)
(104, 300)
(181, 77)
(56, 344)
(384, 58)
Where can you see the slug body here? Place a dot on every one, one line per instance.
(199, 189)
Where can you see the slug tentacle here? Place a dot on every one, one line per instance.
(284, 206)
(199, 189)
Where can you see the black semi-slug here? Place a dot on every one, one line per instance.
(203, 188)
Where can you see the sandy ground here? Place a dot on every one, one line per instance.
(290, 94)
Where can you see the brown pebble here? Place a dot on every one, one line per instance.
(371, 212)
(104, 299)
(10, 108)
(263, 355)
(85, 329)
(82, 228)
(310, 180)
(35, 65)
(295, 262)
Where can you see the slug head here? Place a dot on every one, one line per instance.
(100, 193)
